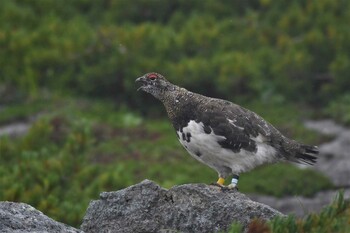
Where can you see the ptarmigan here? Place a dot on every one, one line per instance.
(221, 134)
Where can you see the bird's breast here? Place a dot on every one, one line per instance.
(203, 144)
(197, 139)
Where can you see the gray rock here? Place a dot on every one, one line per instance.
(300, 206)
(20, 217)
(334, 158)
(14, 129)
(146, 207)
(326, 127)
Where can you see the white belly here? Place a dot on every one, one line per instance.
(206, 149)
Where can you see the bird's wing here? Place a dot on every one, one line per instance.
(241, 128)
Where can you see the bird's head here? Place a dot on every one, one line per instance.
(155, 84)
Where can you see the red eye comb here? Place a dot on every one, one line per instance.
(152, 76)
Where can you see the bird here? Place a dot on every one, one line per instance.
(223, 135)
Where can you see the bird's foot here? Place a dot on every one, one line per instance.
(225, 188)
(231, 187)
(220, 184)
(234, 182)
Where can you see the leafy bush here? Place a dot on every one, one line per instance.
(333, 218)
(251, 50)
(339, 109)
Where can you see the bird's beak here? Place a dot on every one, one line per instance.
(142, 81)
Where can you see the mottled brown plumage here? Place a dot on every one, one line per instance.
(221, 134)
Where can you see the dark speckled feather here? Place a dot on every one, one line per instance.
(233, 127)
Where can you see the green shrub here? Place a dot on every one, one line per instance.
(333, 218)
(339, 109)
(297, 52)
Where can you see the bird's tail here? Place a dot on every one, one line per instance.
(307, 154)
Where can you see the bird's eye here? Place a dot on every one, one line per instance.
(152, 76)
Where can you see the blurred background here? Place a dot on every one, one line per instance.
(72, 124)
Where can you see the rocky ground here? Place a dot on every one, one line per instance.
(334, 159)
(14, 129)
(21, 217)
(183, 208)
(147, 207)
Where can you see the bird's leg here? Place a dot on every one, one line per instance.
(234, 182)
(219, 183)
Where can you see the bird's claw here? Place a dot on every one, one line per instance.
(229, 188)
(216, 184)
(226, 188)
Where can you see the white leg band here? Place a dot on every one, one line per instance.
(234, 181)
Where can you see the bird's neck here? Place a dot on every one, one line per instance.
(179, 102)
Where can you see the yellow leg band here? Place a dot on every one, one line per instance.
(221, 181)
